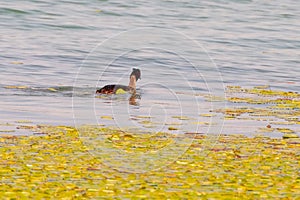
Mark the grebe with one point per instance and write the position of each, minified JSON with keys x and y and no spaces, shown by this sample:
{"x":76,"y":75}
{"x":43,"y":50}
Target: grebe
{"x":113,"y":89}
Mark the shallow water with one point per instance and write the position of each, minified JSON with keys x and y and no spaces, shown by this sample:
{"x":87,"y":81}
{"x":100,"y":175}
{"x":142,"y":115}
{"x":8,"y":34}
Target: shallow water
{"x":182,"y":48}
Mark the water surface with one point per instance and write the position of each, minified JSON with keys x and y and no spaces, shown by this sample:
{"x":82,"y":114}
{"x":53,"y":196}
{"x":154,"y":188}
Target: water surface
{"x":65,"y":44}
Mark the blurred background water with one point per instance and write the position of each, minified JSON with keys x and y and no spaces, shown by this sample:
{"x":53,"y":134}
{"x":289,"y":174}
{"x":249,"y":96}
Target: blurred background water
{"x":52,"y":46}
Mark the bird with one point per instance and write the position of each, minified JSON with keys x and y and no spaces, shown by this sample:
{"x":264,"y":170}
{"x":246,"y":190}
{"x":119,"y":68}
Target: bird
{"x":121,"y":89}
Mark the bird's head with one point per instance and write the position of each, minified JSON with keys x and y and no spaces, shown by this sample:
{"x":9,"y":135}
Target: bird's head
{"x":136,"y":72}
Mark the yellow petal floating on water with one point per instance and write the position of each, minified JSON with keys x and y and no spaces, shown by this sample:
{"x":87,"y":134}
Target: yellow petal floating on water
{"x":207,"y":115}
{"x":173,"y":123}
{"x":24,"y":121}
{"x":212,"y":98}
{"x":172,"y":128}
{"x":120,"y":91}
{"x":181,"y":117}
{"x":52,"y":89}
{"x":143,"y":117}
{"x":16,"y":87}
{"x":115,"y":137}
{"x":262,"y":87}
{"x":145,"y":122}
{"x":181,"y":162}
{"x":7,"y":131}
{"x":17,"y":62}
{"x":203,"y":123}
{"x":107,"y":117}
{"x":290,"y":135}
{"x":265,"y":130}
{"x":285,"y":130}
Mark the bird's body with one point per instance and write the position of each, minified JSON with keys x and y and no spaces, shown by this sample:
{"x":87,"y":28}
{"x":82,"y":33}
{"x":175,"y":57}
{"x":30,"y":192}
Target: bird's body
{"x":115,"y":89}
{"x":119,"y":89}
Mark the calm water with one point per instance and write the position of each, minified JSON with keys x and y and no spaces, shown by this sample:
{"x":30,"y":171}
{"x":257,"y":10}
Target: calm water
{"x":184,"y":49}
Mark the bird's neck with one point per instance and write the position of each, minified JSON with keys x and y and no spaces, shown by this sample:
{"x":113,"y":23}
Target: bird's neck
{"x":132,"y":82}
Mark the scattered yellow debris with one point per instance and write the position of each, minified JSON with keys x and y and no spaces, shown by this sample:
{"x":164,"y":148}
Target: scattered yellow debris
{"x":181,"y":117}
{"x":7,"y":131}
{"x":16,"y":87}
{"x":285,"y":130}
{"x":290,"y":135}
{"x":24,"y":121}
{"x":107,"y":117}
{"x":172,"y":128}
{"x":92,"y":162}
{"x":52,"y":89}
{"x":207,"y":115}
{"x":59,"y":165}
{"x":17,"y":62}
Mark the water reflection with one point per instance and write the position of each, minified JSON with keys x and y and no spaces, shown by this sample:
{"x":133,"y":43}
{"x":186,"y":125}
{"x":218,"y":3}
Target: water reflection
{"x":133,"y":99}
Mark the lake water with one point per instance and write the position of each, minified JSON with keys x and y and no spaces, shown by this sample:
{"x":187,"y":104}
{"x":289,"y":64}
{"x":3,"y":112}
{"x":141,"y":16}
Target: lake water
{"x":59,"y":52}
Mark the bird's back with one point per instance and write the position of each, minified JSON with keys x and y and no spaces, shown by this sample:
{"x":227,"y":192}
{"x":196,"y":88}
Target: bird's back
{"x":111,"y":89}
